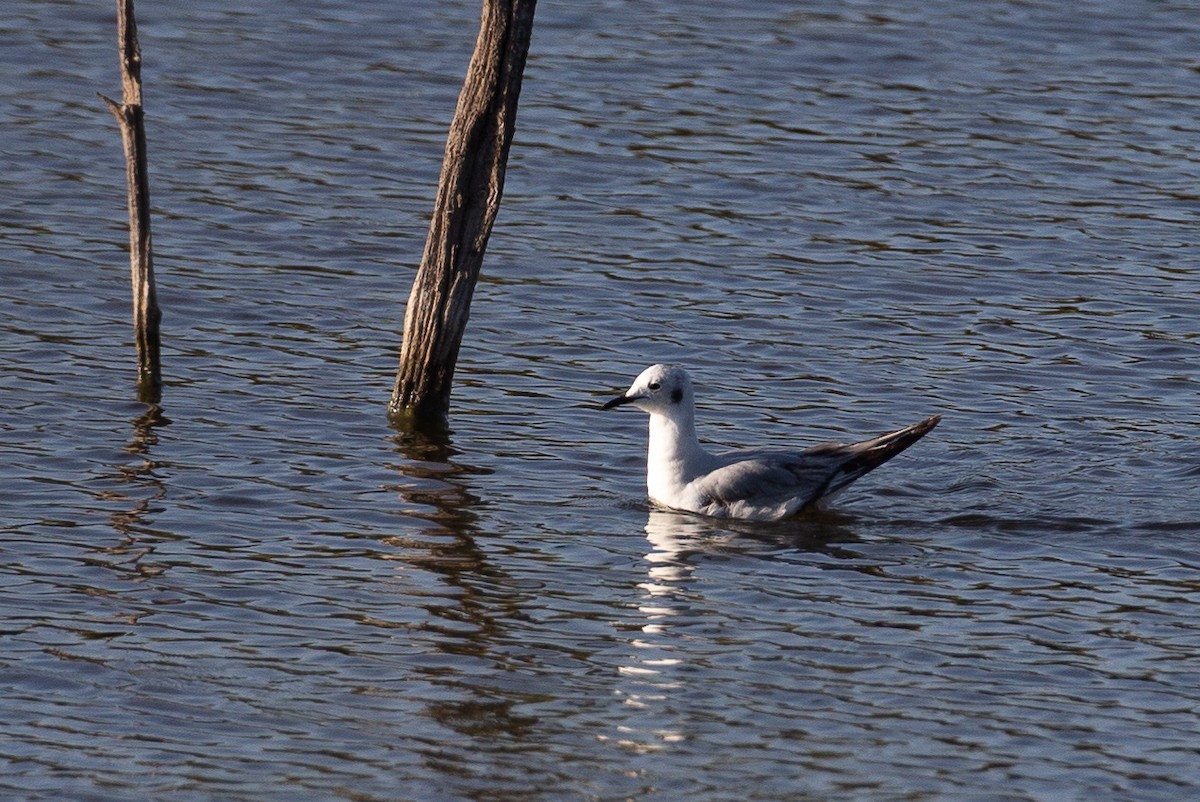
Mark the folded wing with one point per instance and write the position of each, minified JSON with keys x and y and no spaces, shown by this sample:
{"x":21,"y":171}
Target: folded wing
{"x":782,"y":483}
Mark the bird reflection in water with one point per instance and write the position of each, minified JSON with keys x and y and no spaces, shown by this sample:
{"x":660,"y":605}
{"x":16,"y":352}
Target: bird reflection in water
{"x":676,"y":632}
{"x":681,"y":540}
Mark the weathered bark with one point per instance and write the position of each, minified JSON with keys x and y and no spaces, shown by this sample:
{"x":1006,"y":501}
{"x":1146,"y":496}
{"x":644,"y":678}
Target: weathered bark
{"x":469,"y":191}
{"x":146,"y":314}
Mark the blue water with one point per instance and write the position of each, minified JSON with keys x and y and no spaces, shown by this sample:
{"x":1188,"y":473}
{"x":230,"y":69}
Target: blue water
{"x":843,"y":217}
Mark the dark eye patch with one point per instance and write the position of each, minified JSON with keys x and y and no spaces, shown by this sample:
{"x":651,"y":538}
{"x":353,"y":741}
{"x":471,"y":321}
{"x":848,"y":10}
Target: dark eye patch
{"x":677,"y":396}
{"x":654,"y":385}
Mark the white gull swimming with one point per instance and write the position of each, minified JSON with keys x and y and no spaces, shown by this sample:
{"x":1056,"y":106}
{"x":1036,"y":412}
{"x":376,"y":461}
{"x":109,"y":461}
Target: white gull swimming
{"x":763,"y":485}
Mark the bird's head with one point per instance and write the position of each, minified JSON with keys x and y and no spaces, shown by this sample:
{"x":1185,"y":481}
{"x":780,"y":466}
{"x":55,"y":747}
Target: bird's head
{"x":659,"y":389}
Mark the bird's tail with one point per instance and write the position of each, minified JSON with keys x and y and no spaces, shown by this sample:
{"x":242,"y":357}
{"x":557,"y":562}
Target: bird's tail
{"x":864,"y":457}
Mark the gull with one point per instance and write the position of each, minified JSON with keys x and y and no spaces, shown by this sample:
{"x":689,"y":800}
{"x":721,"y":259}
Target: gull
{"x":760,"y":485}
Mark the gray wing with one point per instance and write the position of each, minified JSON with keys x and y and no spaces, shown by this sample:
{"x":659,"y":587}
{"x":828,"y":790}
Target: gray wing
{"x":770,"y":479}
{"x":807,"y":476}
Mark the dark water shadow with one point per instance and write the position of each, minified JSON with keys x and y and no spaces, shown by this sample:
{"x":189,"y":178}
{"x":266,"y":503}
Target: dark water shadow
{"x":1046,"y":527}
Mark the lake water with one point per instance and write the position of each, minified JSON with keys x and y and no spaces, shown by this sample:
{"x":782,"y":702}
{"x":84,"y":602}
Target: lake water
{"x":844,"y":216}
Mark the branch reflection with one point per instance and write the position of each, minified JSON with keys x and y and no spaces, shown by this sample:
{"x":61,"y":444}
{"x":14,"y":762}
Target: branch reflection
{"x":468,"y":601}
{"x":145,"y":489}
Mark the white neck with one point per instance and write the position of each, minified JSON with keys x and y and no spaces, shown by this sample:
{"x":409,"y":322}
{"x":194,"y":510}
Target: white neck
{"x":675,"y":456}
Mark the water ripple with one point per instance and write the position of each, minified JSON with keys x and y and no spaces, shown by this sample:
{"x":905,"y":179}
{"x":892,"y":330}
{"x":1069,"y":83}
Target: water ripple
{"x":843,"y":217}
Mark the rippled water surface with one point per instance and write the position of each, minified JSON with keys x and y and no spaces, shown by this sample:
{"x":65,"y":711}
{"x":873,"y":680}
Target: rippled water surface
{"x":843,"y":216}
